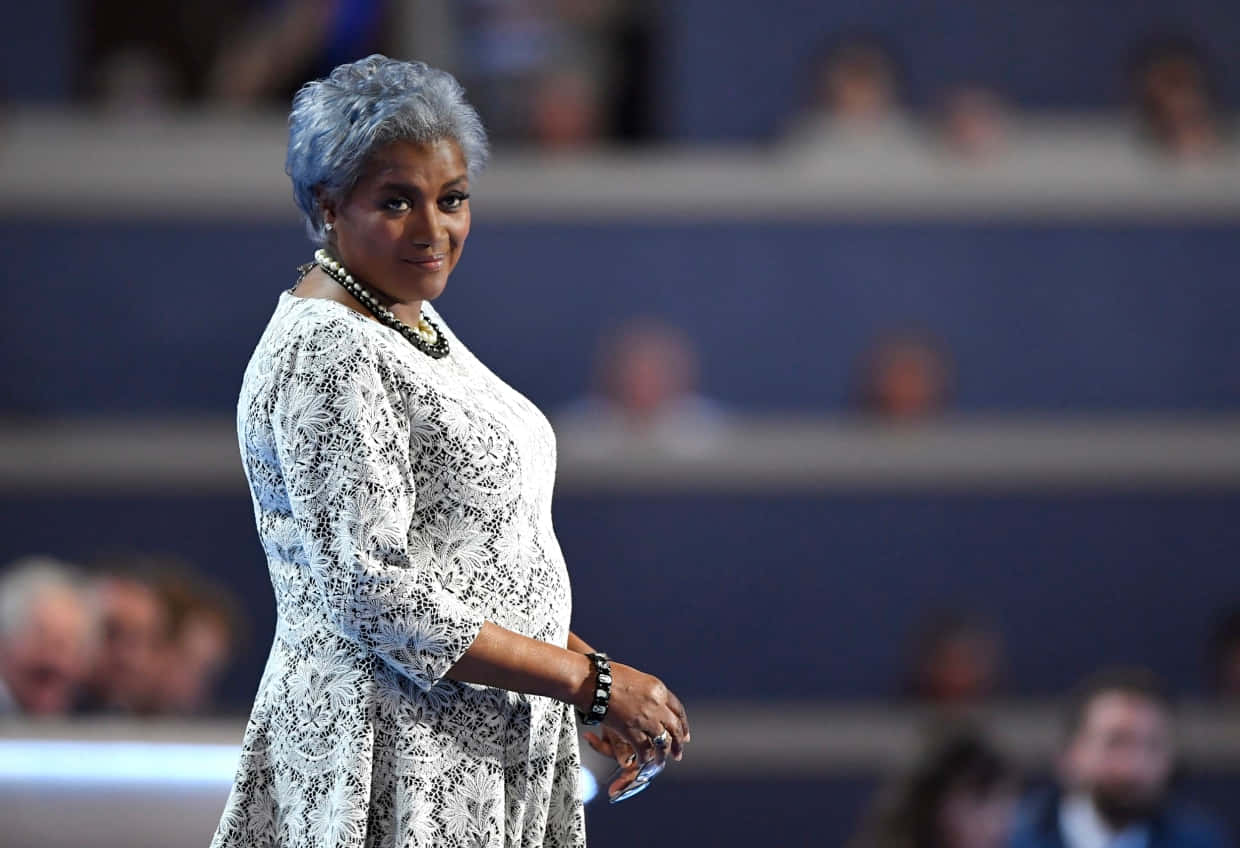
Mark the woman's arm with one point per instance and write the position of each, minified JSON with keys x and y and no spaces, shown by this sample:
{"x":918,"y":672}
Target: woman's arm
{"x":641,"y":707}
{"x":508,"y":660}
{"x":342,"y":447}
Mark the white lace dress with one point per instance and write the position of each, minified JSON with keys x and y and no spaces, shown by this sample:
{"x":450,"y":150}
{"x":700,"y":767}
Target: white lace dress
{"x":401,"y":501}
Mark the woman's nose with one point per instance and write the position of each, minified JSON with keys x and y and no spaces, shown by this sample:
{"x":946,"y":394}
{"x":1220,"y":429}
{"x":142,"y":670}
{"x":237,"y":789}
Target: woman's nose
{"x":427,"y":228}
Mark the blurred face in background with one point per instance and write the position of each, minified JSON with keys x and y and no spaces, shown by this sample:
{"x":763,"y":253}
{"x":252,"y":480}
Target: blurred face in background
{"x":1179,"y":107}
{"x":907,"y":379}
{"x":192,"y":662}
{"x":650,"y":367}
{"x":45,"y":659}
{"x":1121,"y":757}
{"x":565,"y":111}
{"x":959,"y":664}
{"x":131,"y":619}
{"x":970,"y":818}
{"x":857,"y":85}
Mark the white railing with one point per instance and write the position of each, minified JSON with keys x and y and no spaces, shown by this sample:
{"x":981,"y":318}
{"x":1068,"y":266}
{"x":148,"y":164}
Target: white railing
{"x":752,"y":455}
{"x":204,"y":165}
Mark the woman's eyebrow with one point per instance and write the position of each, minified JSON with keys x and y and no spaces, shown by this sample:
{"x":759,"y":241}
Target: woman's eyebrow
{"x":396,"y":185}
{"x":410,"y":188}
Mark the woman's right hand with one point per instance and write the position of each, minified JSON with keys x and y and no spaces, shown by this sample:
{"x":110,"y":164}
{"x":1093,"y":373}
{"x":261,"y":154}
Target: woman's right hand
{"x":641,"y":708}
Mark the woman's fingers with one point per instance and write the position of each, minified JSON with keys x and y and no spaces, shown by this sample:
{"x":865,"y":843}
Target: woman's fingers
{"x":603,"y":746}
{"x":676,"y":734}
{"x":624,"y":753}
{"x":679,"y":709}
{"x":611,"y":744}
{"x":642,"y":745}
{"x":665,"y":744}
{"x":643,"y":710}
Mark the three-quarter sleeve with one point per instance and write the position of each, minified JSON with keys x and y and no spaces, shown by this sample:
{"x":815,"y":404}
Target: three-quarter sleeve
{"x":343,"y":445}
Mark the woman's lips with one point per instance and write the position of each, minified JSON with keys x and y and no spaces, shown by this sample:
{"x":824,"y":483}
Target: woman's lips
{"x":431,"y":263}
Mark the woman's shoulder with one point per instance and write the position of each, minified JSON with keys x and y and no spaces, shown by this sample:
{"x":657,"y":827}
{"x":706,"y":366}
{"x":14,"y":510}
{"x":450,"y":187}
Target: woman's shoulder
{"x":316,"y":319}
{"x":313,"y":332}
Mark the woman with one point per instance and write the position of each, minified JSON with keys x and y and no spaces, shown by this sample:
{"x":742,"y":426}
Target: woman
{"x":962,"y":794}
{"x":421,"y":683}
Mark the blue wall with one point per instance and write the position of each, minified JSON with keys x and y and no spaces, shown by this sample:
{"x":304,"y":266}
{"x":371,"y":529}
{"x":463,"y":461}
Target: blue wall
{"x":38,"y":60}
{"x":734,"y":70}
{"x":158,"y":316}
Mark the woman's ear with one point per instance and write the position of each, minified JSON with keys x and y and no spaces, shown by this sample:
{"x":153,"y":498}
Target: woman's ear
{"x":326,"y":208}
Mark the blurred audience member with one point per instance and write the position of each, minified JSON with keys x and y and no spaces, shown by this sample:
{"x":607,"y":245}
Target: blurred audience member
{"x":566,"y":111}
{"x":143,"y":56}
{"x":288,"y":43}
{"x":135,"y":81}
{"x":554,"y":72}
{"x":647,"y":377}
{"x":1225,"y":656}
{"x":973,"y":123}
{"x":202,"y":624}
{"x":956,"y":661}
{"x":132,"y":622}
{"x":855,"y":101}
{"x":905,"y":376}
{"x":46,"y":635}
{"x":1176,"y":98}
{"x":961,"y":794}
{"x":1114,"y":774}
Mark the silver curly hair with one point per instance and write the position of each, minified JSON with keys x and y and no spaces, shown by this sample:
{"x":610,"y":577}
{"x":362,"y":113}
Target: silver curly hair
{"x":337,"y":122}
{"x":25,"y":581}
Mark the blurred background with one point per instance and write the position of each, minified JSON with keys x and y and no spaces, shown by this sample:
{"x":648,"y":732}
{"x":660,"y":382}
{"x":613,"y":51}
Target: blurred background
{"x":893,"y":349}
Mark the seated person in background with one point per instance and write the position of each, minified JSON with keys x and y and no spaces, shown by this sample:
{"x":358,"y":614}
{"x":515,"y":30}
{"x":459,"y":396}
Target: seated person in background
{"x":905,"y":376}
{"x":956,"y":662}
{"x":646,"y":395}
{"x":855,"y":100}
{"x":132,"y":621}
{"x":45,"y":637}
{"x":1114,"y":774}
{"x":566,"y":112}
{"x":201,"y":635}
{"x":961,"y":794}
{"x":972,"y":124}
{"x":1177,"y":102}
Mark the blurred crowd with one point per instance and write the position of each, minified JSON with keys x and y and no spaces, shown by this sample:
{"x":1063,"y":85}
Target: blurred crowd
{"x":149,"y":636}
{"x":137,"y":635}
{"x":1113,"y":783}
{"x":858,"y":101}
{"x":559,"y":73}
{"x":566,"y":74}
{"x":646,"y":390}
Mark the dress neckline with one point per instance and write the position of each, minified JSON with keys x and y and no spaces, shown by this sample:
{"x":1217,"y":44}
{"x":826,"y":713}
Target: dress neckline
{"x":287,"y":296}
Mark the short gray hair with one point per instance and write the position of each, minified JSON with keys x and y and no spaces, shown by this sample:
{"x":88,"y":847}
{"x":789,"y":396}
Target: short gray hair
{"x":337,"y":122}
{"x":26,"y":581}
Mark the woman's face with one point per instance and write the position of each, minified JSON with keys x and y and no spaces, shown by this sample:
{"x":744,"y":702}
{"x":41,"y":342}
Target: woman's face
{"x":402,"y":227}
{"x":969,"y":819}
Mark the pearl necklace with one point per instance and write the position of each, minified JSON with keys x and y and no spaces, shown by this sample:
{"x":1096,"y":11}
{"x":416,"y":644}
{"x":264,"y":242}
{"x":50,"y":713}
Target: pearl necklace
{"x":426,"y":337}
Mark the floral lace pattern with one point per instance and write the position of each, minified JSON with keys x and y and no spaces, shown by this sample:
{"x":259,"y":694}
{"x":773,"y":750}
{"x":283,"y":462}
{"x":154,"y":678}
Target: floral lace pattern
{"x":401,"y":502}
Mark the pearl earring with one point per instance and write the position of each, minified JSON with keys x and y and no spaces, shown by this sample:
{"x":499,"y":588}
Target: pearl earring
{"x":328,"y":226}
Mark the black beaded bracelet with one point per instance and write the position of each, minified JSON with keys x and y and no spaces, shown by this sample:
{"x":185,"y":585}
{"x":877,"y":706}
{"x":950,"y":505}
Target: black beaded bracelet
{"x":602,"y":690}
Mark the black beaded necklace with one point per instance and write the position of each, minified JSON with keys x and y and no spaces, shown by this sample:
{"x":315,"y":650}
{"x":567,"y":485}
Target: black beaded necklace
{"x":426,"y":337}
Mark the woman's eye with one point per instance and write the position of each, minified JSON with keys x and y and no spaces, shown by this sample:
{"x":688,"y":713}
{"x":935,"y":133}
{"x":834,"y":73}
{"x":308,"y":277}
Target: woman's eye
{"x":453,"y":201}
{"x":397,"y":204}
